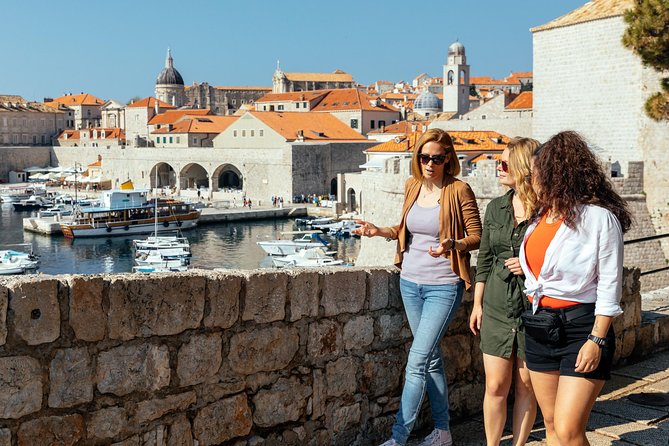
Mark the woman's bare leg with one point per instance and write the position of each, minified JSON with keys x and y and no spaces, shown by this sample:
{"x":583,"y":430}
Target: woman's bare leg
{"x":524,"y":406}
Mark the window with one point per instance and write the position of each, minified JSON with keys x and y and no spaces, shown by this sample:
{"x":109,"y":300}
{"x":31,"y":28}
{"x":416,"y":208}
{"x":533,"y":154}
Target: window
{"x":43,"y":139}
{"x":243,"y":133}
{"x":483,"y":116}
{"x":382,"y":124}
{"x":170,"y":140}
{"x":261,"y":133}
{"x":234,"y":101}
{"x":297,"y":105}
{"x":371,"y":124}
{"x":194,"y":140}
{"x":279,"y":107}
{"x":234,"y":133}
{"x":178,"y":140}
{"x":16,"y":139}
{"x":253,"y":133}
{"x":34,"y":139}
{"x":354,"y":123}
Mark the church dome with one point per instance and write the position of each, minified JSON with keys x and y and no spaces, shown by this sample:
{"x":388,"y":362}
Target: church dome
{"x":426,"y":101}
{"x":456,"y":49}
{"x":169,"y":75}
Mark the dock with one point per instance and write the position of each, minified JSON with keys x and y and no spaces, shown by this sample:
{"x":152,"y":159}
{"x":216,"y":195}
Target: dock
{"x":211,"y":215}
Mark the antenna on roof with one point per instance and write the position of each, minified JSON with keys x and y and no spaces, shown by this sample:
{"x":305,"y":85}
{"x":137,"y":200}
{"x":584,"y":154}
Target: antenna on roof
{"x":277,"y":64}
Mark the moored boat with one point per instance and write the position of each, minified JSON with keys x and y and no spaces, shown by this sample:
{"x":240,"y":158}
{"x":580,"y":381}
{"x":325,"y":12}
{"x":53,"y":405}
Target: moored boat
{"x":307,"y":258}
{"x":17,"y":262}
{"x":128,"y":212}
{"x":21,"y":191}
{"x":31,"y":204}
{"x":288,"y":247}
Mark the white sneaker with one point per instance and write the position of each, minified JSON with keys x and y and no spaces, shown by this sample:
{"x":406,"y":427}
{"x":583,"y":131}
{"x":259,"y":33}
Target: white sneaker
{"x":438,"y":437}
{"x":390,"y":442}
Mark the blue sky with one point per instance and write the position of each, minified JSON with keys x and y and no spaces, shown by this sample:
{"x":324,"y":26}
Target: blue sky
{"x":117,"y":50}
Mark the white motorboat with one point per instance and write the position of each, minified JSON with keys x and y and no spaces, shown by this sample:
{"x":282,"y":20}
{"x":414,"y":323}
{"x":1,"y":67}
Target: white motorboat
{"x":22,"y":191}
{"x":33,"y":203}
{"x":307,"y":258}
{"x":59,"y":210}
{"x":159,"y":269}
{"x":161,"y":242}
{"x":320,"y":223}
{"x":342,"y":228}
{"x":288,"y":247}
{"x":17,"y":262}
{"x":168,"y":257}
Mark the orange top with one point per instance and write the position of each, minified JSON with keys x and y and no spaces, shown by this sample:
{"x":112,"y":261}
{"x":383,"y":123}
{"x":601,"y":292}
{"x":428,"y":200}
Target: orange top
{"x":535,"y":252}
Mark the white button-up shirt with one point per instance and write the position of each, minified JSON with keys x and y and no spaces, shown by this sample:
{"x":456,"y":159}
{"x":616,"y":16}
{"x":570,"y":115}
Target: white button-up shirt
{"x":582,"y":264}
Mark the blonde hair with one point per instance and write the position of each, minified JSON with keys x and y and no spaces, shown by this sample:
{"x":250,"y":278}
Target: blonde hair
{"x":444,"y":140}
{"x":521,"y":151}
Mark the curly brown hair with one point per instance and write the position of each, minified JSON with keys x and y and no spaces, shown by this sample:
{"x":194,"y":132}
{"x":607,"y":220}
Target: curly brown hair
{"x":568,"y":174}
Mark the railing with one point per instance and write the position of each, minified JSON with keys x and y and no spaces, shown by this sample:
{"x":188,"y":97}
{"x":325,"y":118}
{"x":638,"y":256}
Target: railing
{"x":648,"y":239}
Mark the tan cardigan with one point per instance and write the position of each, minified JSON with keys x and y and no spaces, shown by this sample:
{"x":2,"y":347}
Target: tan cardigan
{"x":459,"y":219}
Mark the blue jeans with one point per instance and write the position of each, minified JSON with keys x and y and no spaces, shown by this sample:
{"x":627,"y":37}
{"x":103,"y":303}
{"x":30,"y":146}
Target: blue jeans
{"x":429,"y":309}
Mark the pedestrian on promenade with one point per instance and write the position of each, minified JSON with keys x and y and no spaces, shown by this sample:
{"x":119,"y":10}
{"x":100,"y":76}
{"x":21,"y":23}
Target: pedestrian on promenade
{"x":572,"y":258}
{"x":440,"y":224}
{"x":499,"y":300}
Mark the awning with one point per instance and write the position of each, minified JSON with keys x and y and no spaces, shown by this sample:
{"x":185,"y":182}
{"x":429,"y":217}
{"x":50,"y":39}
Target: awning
{"x":378,"y":162}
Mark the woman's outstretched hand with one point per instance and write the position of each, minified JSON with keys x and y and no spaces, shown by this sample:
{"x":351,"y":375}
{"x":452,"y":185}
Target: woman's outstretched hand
{"x":366,"y":229}
{"x":442,"y":248}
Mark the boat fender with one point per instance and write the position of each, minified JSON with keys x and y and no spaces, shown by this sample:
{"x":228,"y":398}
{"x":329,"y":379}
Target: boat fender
{"x":166,"y":223}
{"x":109,"y":229}
{"x":126,"y":228}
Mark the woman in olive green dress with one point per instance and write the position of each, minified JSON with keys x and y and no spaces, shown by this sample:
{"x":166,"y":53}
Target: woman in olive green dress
{"x":499,"y":298}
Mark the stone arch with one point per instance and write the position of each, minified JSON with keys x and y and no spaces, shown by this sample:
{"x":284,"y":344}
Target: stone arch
{"x":450,"y":78}
{"x":193,"y":176}
{"x":228,"y":176}
{"x":351,"y":202}
{"x":333,"y":186}
{"x":167,"y":176}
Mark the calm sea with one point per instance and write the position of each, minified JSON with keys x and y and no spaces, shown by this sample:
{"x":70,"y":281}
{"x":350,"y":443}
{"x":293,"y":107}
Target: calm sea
{"x":225,"y":245}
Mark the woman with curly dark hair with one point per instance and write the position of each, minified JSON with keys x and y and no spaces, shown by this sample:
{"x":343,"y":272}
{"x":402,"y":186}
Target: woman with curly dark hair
{"x":572,"y":258}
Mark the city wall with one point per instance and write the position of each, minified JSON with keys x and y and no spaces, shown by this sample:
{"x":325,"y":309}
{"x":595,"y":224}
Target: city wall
{"x":253,"y":358}
{"x":18,"y":158}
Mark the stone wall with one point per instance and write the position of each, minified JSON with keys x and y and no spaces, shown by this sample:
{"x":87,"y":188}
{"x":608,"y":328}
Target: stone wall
{"x":259,"y":358}
{"x":18,"y":158}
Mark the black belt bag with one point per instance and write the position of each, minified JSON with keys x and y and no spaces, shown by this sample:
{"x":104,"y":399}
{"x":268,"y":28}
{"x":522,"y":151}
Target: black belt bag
{"x":547,"y":325}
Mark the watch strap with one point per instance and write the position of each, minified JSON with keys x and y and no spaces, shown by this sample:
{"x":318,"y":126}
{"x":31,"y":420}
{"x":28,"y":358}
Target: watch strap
{"x":601,"y":342}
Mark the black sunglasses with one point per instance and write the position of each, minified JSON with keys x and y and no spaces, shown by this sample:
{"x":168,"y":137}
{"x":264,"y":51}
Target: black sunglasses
{"x":436,"y":159}
{"x":504,"y":164}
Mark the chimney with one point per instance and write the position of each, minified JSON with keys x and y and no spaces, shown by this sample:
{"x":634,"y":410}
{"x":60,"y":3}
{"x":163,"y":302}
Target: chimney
{"x":300,"y":135}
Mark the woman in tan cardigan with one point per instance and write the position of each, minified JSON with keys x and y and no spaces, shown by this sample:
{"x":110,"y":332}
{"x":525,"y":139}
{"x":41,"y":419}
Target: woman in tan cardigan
{"x":440,"y":224}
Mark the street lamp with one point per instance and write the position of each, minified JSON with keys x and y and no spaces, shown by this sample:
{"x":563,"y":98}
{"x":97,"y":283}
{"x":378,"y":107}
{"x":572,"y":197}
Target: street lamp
{"x":77,"y":168}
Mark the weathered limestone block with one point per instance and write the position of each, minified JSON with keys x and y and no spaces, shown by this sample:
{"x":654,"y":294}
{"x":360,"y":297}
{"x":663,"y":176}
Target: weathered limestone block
{"x":378,"y":288}
{"x":152,"y":306}
{"x":123,"y":370}
{"x":343,"y":292}
{"x":382,"y":372}
{"x":325,"y":340}
{"x":20,"y":386}
{"x":263,"y":350}
{"x":457,"y":354}
{"x":87,"y":317}
{"x":4,"y":298}
{"x":341,"y":376}
{"x":36,"y":315}
{"x":342,"y":418}
{"x":135,"y":440}
{"x":199,"y":359}
{"x":265,"y":299}
{"x":222,"y":293}
{"x":208,"y":393}
{"x":5,"y":437}
{"x":319,"y":394}
{"x":358,"y":332}
{"x":303,"y":295}
{"x":179,"y":432}
{"x":156,"y":408}
{"x":393,"y":327}
{"x":223,"y":420}
{"x":106,"y":423}
{"x":284,"y":401}
{"x":63,"y":431}
{"x":71,"y":378}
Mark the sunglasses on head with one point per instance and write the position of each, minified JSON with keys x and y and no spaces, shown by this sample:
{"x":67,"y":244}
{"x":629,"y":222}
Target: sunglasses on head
{"x":504,"y":164}
{"x":436,"y":159}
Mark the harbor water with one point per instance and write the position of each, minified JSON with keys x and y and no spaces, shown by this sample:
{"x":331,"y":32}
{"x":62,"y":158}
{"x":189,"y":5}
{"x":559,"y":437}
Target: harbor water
{"x":224,"y":245}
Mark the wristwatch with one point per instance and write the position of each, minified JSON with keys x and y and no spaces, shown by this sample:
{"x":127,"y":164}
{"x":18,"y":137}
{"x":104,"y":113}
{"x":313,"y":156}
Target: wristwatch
{"x":601,"y":342}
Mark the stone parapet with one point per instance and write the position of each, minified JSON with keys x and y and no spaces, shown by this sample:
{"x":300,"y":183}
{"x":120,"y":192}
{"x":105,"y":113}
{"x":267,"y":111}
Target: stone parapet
{"x":260,"y":357}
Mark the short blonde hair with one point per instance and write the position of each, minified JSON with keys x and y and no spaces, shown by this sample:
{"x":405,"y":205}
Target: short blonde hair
{"x":521,"y":151}
{"x":444,"y":140}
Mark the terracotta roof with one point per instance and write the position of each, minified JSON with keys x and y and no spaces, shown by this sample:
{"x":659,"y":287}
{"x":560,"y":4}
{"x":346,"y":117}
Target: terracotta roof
{"x":522,"y":74}
{"x":402,"y":127}
{"x":22,"y":106}
{"x":150,"y":102}
{"x":350,"y":99}
{"x":384,"y":82}
{"x":486,"y":156}
{"x":487,"y":80}
{"x":404,"y":143}
{"x":314,"y":126}
{"x":110,"y":133}
{"x":199,"y":124}
{"x":12,"y":98}
{"x":293,"y":96}
{"x":337,"y":76}
{"x":78,"y":99}
{"x":172,"y":116}
{"x":464,"y":141}
{"x":522,"y":101}
{"x":593,"y":10}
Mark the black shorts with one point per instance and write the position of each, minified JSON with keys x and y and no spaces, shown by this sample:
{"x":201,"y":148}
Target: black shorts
{"x":542,"y":357}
